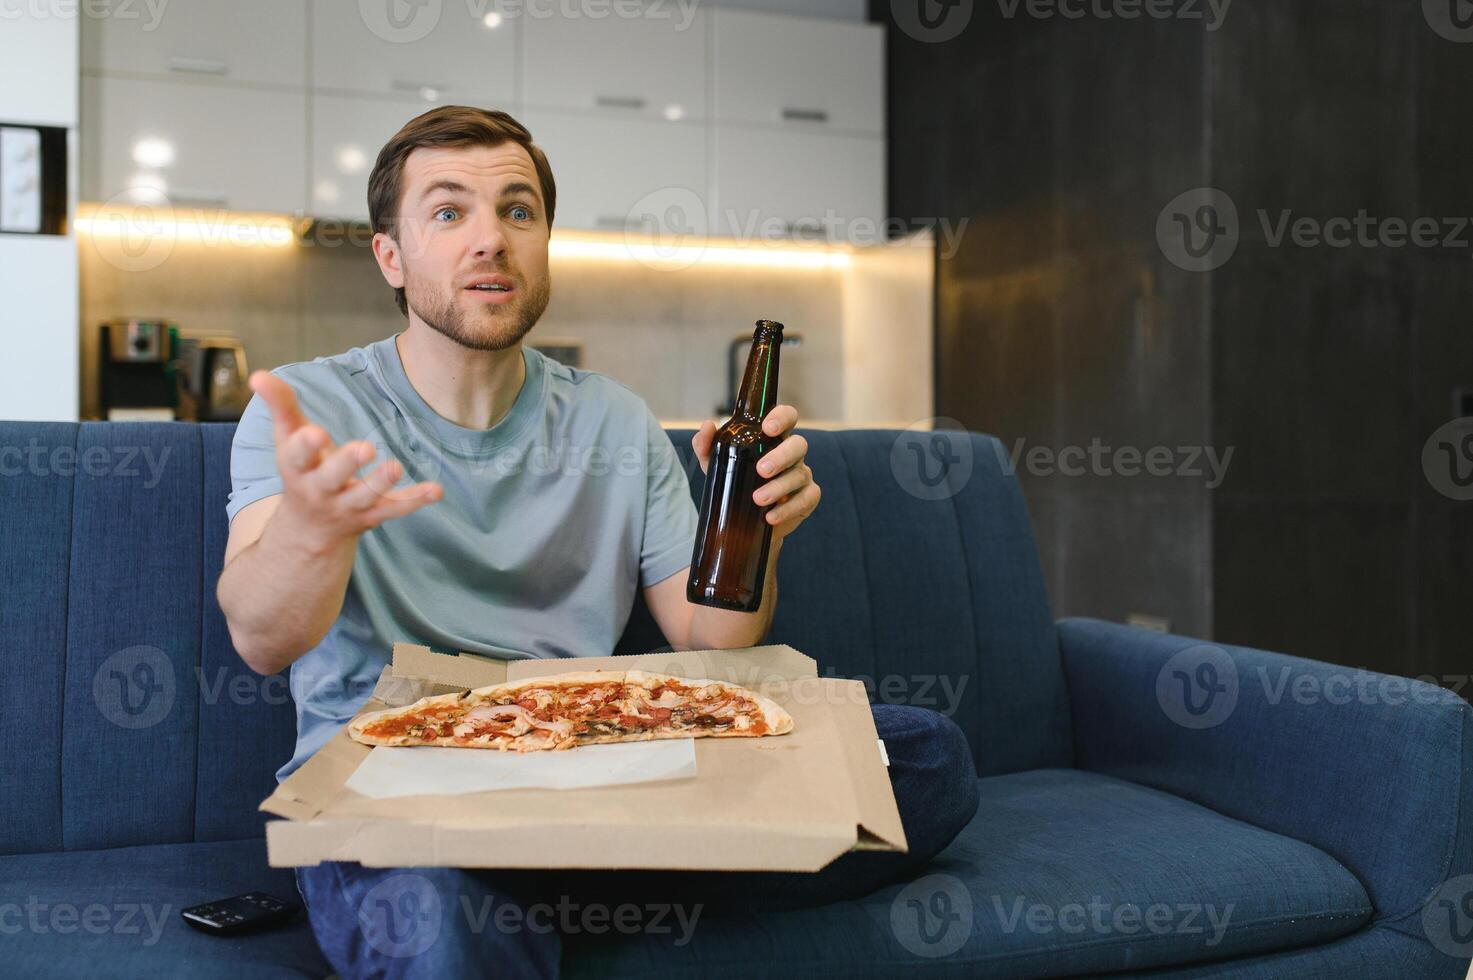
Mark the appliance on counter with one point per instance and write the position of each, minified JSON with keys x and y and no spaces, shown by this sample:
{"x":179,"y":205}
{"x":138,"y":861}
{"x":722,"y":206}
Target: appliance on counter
{"x":148,"y":369}
{"x":564,"y":351}
{"x":213,"y":375}
{"x":136,"y":372}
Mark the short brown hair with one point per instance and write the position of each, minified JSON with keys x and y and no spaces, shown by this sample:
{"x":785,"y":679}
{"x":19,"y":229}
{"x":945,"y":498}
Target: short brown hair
{"x":448,"y":125}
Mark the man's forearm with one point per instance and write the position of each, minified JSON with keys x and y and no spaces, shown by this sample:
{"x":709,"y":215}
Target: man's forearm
{"x":281,"y":595}
{"x":724,"y":629}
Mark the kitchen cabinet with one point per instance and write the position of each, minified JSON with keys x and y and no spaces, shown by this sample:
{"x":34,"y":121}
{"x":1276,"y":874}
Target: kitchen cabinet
{"x":440,"y":51}
{"x":607,"y":169}
{"x":653,"y":66}
{"x":798,"y":72}
{"x":816,"y":185}
{"x":259,"y":41}
{"x":206,"y":145}
{"x":347,"y":134}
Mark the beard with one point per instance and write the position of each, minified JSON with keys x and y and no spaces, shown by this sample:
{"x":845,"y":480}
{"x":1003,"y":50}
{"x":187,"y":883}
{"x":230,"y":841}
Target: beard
{"x":489,"y":327}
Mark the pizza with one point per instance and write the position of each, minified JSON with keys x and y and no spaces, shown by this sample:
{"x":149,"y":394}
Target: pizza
{"x":564,"y":711}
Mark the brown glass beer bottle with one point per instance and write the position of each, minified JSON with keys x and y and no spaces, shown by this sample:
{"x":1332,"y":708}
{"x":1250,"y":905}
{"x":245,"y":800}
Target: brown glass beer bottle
{"x":733,"y":537}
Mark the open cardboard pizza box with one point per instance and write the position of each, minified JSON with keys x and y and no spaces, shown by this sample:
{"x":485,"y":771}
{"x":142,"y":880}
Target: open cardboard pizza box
{"x":790,"y":802}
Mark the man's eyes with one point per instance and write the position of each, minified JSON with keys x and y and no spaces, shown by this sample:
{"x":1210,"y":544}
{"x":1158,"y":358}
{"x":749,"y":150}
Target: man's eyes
{"x":517,"y":212}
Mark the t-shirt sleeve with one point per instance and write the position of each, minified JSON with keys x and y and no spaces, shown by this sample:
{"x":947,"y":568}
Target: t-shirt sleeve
{"x":670,"y":513}
{"x":253,"y":473}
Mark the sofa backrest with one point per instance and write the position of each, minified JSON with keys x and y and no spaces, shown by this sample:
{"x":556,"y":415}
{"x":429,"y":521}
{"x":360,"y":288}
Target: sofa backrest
{"x":129,"y":719}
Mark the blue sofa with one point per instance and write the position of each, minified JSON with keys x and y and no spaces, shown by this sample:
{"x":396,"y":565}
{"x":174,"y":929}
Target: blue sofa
{"x":1148,"y":805}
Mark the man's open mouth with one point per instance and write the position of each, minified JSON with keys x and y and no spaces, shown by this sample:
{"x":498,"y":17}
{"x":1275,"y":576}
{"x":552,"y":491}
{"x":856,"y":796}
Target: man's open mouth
{"x":491,"y":288}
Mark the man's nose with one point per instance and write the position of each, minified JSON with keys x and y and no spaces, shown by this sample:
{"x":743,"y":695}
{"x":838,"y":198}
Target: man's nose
{"x":490,"y":236}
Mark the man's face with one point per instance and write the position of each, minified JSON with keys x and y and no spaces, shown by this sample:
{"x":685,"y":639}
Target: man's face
{"x":471,"y":248}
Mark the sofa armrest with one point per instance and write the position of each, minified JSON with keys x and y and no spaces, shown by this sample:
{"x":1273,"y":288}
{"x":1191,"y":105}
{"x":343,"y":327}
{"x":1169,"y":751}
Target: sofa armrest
{"x":1376,"y":771}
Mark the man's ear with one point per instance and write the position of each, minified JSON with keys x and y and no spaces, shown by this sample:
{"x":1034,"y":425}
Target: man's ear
{"x":386,"y":252}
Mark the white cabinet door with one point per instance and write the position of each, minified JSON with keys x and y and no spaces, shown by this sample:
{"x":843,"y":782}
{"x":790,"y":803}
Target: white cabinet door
{"x":618,"y":173}
{"x":797,"y":71}
{"x":443,"y":52}
{"x":255,"y":41}
{"x":809,"y":185}
{"x":653,"y":65}
{"x":347,"y":134}
{"x":38,"y":69}
{"x":204,"y":145}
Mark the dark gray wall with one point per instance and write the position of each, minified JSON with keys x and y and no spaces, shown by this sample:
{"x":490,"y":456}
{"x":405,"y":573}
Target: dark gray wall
{"x":1060,"y":320}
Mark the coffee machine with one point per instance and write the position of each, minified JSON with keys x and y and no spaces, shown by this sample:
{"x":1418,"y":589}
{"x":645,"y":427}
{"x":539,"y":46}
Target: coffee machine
{"x":213,"y":374}
{"x":136,"y":371}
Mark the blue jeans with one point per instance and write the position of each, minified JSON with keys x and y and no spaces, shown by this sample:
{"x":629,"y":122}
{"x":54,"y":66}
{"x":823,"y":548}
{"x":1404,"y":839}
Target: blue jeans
{"x":446,"y":922}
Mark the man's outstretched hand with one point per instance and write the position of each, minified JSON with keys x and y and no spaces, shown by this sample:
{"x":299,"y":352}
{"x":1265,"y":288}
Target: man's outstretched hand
{"x":323,"y":499}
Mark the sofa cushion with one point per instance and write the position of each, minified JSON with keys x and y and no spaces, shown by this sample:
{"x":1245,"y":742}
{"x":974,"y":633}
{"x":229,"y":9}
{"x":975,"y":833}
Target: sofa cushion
{"x":115,"y":913}
{"x":1060,"y":873}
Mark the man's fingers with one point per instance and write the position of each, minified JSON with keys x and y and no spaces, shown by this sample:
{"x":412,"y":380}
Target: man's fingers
{"x":780,"y":420}
{"x":789,"y":481}
{"x":286,"y":416}
{"x":403,"y":502}
{"x":785,"y":455}
{"x":338,"y":467}
{"x":374,"y":486}
{"x":303,"y":449}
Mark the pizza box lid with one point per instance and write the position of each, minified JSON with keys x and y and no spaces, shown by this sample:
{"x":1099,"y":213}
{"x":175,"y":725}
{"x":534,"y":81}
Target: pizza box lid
{"x":792,"y":802}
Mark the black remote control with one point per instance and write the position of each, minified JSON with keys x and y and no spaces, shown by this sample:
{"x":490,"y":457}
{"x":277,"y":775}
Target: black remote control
{"x":243,"y":913}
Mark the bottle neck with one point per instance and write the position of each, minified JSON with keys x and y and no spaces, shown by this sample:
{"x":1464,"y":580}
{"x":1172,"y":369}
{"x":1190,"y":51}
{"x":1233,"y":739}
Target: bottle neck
{"x":758,"y":394}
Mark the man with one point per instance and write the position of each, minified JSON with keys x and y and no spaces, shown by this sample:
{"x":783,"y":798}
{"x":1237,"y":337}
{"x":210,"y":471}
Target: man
{"x":502,"y":518}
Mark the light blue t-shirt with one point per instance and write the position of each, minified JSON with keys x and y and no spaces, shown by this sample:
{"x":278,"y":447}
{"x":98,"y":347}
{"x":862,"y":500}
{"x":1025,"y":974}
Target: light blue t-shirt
{"x":551,"y":519}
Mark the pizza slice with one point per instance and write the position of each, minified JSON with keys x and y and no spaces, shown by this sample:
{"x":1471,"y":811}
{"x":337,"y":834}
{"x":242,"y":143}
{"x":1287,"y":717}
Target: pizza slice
{"x":564,"y":711}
